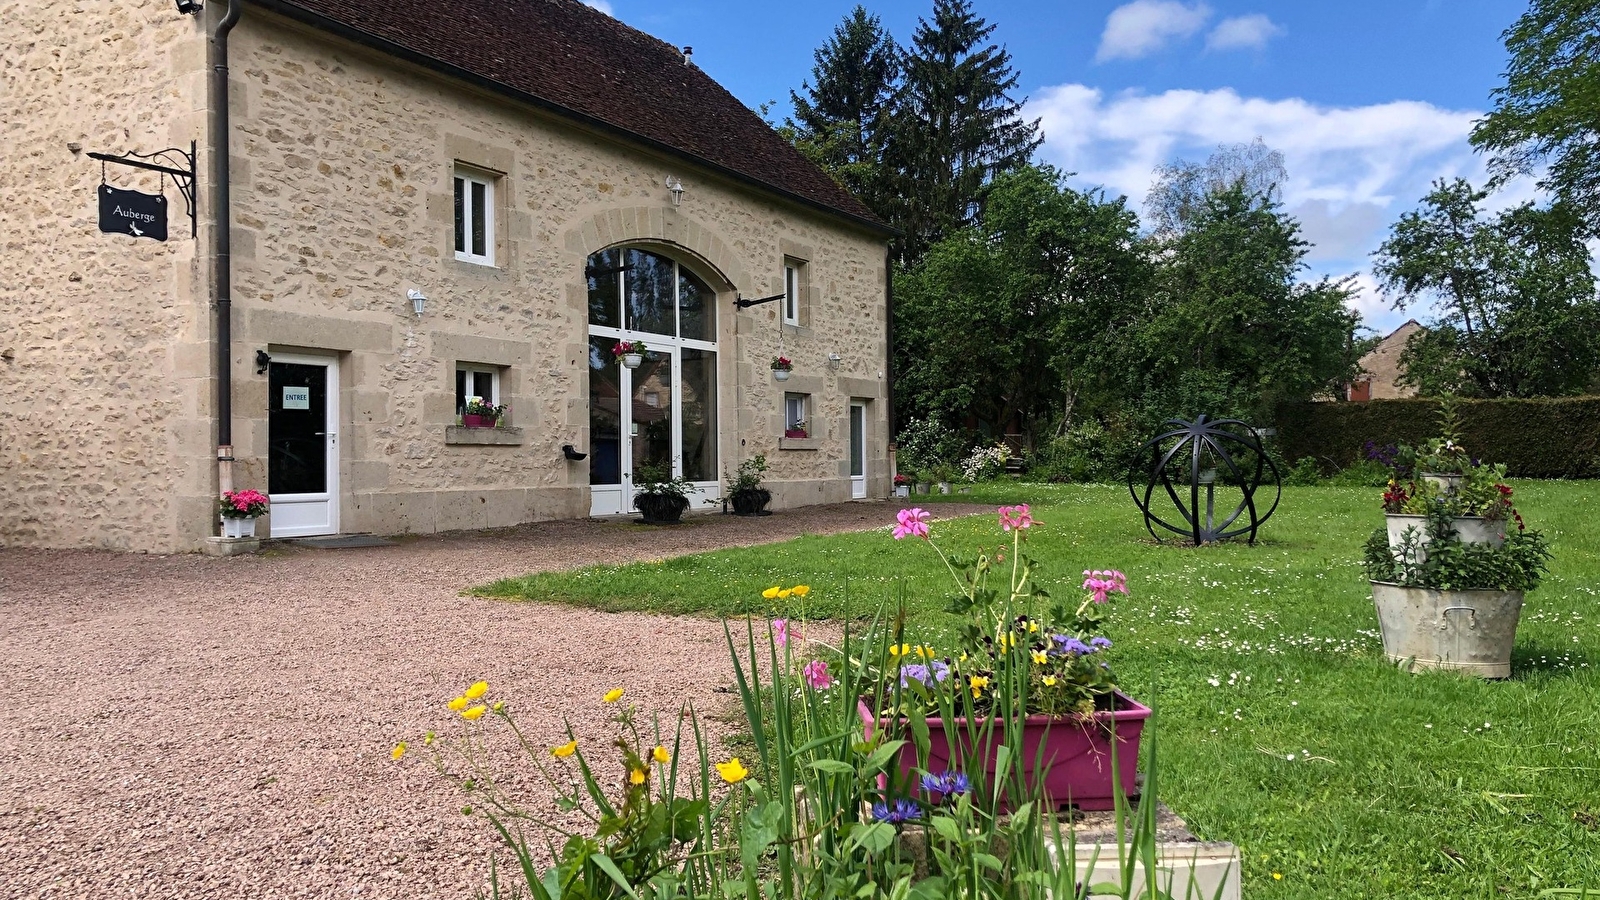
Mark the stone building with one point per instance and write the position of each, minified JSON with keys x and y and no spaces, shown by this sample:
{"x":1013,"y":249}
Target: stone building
{"x":1380,"y":368}
{"x":538,"y":179}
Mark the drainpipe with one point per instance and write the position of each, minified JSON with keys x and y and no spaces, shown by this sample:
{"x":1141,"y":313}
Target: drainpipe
{"x":222,"y":244}
{"x":888,"y":345}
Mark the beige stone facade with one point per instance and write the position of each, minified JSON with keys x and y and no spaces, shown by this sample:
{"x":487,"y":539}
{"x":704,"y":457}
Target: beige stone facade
{"x":342,"y":164}
{"x":1381,"y":370}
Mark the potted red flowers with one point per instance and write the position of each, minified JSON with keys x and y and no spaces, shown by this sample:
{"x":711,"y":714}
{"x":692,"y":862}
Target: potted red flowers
{"x":240,"y":510}
{"x":630,"y":352}
{"x":781,"y":367}
{"x":479,"y":413}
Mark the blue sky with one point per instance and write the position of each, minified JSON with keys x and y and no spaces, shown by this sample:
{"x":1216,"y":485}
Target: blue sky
{"x":1369,"y":101}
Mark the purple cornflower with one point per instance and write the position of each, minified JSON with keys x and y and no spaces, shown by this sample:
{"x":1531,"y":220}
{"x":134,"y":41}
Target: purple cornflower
{"x":949,"y":784}
{"x":894,"y":814}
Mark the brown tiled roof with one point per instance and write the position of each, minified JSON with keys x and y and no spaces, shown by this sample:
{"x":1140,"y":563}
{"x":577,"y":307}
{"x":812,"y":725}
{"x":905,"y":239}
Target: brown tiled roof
{"x":582,"y":63}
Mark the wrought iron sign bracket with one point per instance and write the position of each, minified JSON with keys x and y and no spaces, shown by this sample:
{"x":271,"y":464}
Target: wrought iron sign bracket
{"x":741,"y":303}
{"x":175,"y":156}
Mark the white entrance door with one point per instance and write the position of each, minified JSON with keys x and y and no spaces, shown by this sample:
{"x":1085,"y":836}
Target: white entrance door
{"x":303,"y":445}
{"x":858,"y":450}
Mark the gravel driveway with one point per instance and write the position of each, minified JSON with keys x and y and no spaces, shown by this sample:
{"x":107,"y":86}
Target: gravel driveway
{"x":179,"y":726}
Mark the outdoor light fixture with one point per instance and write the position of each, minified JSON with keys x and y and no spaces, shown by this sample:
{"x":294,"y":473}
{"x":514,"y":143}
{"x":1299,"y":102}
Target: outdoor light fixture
{"x":263,"y":361}
{"x":833,"y":361}
{"x":418,"y":301}
{"x":676,"y":187}
{"x":189,"y":7}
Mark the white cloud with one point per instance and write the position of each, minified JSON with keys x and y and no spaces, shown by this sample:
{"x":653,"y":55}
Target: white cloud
{"x":1144,"y":26}
{"x":1352,"y":170}
{"x":1250,"y":32}
{"x":601,"y":5}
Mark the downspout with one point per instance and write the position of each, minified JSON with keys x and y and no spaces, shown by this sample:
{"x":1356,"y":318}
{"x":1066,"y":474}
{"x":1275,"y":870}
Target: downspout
{"x":888,"y":352}
{"x":222,"y":243}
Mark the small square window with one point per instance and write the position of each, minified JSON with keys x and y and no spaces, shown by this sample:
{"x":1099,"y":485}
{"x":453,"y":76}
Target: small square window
{"x":474,"y":198}
{"x":794,"y":289}
{"x":796,"y":415}
{"x":478,"y":381}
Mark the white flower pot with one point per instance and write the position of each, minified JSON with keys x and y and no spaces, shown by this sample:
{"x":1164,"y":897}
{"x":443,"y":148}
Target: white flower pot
{"x":1462,"y":631}
{"x":780,"y":374}
{"x":238,"y":528}
{"x":633,"y":360}
{"x":902,"y":491}
{"x":1471,"y":530}
{"x":944,"y":487}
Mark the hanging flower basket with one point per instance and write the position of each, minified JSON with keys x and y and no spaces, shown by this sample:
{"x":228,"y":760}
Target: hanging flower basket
{"x":630,"y":352}
{"x":781,"y":366}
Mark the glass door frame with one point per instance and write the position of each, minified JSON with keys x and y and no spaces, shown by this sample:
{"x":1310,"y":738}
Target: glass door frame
{"x":330,"y":496}
{"x":858,"y":448}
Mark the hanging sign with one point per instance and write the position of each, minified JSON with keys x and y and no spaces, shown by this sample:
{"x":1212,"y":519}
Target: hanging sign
{"x":132,"y":213}
{"x":297,"y":398}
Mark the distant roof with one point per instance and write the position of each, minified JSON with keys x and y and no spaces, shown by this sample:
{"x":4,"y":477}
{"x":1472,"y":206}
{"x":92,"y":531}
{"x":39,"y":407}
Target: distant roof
{"x":579,"y":62}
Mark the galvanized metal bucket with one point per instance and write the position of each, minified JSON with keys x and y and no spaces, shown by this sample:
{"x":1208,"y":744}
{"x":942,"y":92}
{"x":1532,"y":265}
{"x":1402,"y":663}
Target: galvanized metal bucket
{"x":1461,"y":631}
{"x":1470,"y":529}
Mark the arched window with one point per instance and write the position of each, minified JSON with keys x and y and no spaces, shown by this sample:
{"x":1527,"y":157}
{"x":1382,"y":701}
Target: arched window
{"x":660,"y":418}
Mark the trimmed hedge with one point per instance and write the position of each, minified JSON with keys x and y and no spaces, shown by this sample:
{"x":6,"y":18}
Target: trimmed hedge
{"x":1556,"y":438}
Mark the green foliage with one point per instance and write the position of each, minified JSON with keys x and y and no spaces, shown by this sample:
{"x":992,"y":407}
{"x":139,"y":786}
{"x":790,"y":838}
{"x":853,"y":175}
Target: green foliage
{"x":1521,"y":313}
{"x":1544,"y":114}
{"x":1451,"y":565}
{"x":926,"y":442}
{"x":1303,"y":473}
{"x":1555,"y":438}
{"x":748,"y":476}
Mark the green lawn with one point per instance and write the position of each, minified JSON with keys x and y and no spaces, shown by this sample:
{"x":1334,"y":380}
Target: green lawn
{"x":1282,"y":728}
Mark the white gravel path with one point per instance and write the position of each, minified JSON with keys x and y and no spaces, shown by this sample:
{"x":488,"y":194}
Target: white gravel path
{"x":184,"y":727}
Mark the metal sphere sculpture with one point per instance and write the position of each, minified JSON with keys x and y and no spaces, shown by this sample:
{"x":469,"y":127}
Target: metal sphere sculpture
{"x":1199,"y":453}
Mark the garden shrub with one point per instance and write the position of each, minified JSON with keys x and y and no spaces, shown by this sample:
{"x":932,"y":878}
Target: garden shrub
{"x":927,"y":443}
{"x":1550,"y":438}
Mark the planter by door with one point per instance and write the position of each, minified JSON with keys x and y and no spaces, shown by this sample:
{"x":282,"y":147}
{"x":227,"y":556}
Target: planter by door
{"x":661,"y":509}
{"x":751,"y":501}
{"x":472,"y":421}
{"x":238,"y":528}
{"x":1461,"y":631}
{"x":633,"y":360}
{"x":1076,"y":756}
{"x":902,"y":491}
{"x":781,"y":374}
{"x":1471,"y":530}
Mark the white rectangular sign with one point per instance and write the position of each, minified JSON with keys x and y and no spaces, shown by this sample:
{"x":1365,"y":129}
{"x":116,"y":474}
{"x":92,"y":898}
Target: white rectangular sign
{"x":297,"y":398}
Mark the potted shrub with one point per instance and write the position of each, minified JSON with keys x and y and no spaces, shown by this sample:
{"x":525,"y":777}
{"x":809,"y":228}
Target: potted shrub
{"x":796,"y":430}
{"x":781,"y":367}
{"x":749,"y":498}
{"x":1456,"y":605}
{"x":240,"y":510}
{"x":1023,"y":662}
{"x":630,"y":352}
{"x":923,"y":480}
{"x":1478,"y":509}
{"x":481,"y":414}
{"x":902,"y":485}
{"x":943,"y":474}
{"x":661,"y":497}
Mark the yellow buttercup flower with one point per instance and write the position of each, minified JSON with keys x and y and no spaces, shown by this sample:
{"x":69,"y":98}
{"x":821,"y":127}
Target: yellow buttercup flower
{"x":978,"y":682}
{"x":565,"y":750}
{"x":1040,"y":657}
{"x":800,"y":590}
{"x":784,"y":594}
{"x":398,"y":751}
{"x":612,"y":695}
{"x":1049,"y":681}
{"x":771,"y":593}
{"x":636,"y":777}
{"x":733,"y":771}
{"x":1033,"y":627}
{"x":660,"y":754}
{"x":925,"y":652}
{"x":459,"y":703}
{"x":474,"y":713}
{"x":477,"y":690}
{"x":899,"y":649}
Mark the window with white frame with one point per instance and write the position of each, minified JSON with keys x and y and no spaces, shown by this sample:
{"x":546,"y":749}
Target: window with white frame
{"x":796,"y":415}
{"x":474,"y":217}
{"x":482,"y":382}
{"x":793,"y":290}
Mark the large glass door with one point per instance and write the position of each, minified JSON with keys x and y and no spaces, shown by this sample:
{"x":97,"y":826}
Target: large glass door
{"x":858,"y":450}
{"x":658,"y":420}
{"x":303,"y":445}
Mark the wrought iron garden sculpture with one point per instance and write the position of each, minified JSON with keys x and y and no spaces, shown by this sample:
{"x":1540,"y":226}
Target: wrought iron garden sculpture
{"x":1188,"y":459}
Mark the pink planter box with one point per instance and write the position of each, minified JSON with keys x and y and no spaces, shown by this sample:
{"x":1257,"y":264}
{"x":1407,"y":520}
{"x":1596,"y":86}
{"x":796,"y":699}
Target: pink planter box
{"x":1077,"y":752}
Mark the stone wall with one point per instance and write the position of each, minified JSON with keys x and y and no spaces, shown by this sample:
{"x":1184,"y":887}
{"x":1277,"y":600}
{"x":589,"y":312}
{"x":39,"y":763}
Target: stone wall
{"x":343,"y":202}
{"x":104,"y":431}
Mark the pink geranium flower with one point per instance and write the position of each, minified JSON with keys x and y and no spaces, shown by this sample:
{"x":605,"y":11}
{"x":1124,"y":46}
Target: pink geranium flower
{"x":1016,"y":517}
{"x":913,"y":523}
{"x":1102,"y":582}
{"x":816,"y":675}
{"x":780,"y":632}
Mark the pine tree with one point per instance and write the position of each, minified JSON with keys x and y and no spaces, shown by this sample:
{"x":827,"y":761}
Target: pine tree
{"x":954,"y":127}
{"x":840,"y":115}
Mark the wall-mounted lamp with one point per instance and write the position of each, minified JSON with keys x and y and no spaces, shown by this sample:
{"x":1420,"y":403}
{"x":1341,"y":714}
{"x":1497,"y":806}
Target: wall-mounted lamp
{"x":676,"y":187}
{"x":571,"y":452}
{"x":833,"y":361}
{"x":263,"y":361}
{"x":189,"y":7}
{"x":418,"y":301}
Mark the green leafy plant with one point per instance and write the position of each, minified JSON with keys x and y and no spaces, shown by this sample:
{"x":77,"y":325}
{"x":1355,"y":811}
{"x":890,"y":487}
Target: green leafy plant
{"x":657,"y":479}
{"x":477,"y":406}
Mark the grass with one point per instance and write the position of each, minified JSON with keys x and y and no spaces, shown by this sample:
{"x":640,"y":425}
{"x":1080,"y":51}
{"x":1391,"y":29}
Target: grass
{"x":1283,"y":729}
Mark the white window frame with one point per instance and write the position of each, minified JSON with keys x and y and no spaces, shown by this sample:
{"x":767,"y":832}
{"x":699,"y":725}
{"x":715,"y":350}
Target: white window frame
{"x":480,"y":369}
{"x":791,"y":292}
{"x":791,"y":401}
{"x":461,"y":184}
